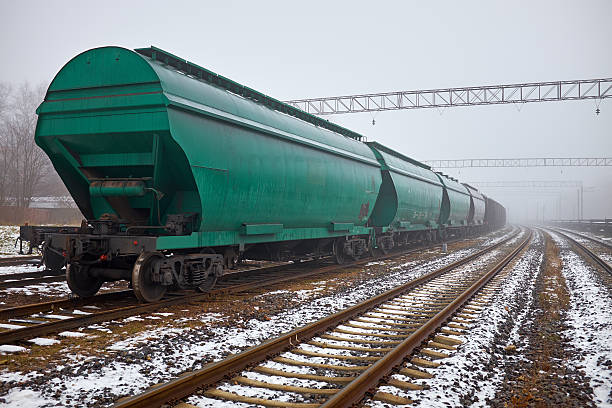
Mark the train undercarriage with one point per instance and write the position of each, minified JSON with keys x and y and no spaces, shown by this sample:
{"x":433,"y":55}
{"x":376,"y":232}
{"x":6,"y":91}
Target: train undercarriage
{"x":95,"y":255}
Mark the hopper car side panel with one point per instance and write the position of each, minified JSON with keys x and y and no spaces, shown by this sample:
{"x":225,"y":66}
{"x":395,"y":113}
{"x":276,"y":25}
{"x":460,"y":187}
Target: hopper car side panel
{"x":477,"y":206}
{"x":418,"y":193}
{"x":455,"y":209}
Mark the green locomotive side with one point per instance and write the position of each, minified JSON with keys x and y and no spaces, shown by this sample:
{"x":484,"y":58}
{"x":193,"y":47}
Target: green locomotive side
{"x":137,"y":140}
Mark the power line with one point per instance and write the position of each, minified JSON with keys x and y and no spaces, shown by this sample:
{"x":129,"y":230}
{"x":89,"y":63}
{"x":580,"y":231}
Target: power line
{"x":466,"y":96}
{"x":522,"y":162}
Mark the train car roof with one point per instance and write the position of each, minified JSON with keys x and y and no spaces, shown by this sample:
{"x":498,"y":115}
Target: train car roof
{"x":392,"y":152}
{"x":206,"y":75}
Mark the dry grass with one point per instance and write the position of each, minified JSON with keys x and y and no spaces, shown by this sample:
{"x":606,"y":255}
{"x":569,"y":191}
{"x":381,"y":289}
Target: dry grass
{"x":553,"y":299}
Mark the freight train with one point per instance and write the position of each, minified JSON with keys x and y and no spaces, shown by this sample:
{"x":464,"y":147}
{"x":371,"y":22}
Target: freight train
{"x":180,"y":172}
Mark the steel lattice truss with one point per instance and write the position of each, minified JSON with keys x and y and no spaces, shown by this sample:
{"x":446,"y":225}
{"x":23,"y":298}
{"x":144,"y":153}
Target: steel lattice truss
{"x":523,"y":162}
{"x":527,"y":184}
{"x":468,"y":96}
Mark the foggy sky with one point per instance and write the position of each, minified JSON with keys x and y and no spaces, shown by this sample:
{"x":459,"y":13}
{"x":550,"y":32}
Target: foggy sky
{"x":321,"y":48}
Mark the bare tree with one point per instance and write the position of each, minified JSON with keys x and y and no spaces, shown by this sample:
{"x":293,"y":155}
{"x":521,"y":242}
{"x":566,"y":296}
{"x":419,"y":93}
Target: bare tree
{"x":24,"y":163}
{"x":6,"y":146}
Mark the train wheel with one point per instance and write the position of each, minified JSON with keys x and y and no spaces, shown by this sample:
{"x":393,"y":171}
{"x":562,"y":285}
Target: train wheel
{"x":210,"y":281}
{"x":80,"y":281}
{"x":144,"y":288}
{"x":338,"y":249}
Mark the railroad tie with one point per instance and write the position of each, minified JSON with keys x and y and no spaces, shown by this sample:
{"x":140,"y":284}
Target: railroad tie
{"x":336,"y":356}
{"x":290,"y":361}
{"x":216,"y":393}
{"x":280,"y":387}
{"x":435,"y":344}
{"x":387,"y":322}
{"x":313,"y":377}
{"x":352,"y":348}
{"x":447,"y":340}
{"x":414,"y":373}
{"x":392,"y":329}
{"x":434,"y":354}
{"x":391,"y":336}
{"x":391,"y":399}
{"x":361,"y":341}
{"x":424,"y":363}
{"x":404,"y":385}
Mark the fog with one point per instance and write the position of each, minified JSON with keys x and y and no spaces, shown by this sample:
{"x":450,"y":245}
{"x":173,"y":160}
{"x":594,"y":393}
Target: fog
{"x":295,"y":50}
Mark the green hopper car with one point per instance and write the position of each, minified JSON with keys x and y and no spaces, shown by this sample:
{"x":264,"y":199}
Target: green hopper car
{"x":180,"y":172}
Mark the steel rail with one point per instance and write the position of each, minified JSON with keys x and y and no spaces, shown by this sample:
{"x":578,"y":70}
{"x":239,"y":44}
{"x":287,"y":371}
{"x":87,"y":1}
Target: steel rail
{"x":19,"y":260}
{"x":41,"y":329}
{"x":36,"y":274}
{"x":13,"y":335}
{"x":30,"y":309}
{"x":25,"y":310}
{"x":356,"y":390}
{"x":212,"y":373}
{"x":586,"y":250}
{"x":30,"y":281}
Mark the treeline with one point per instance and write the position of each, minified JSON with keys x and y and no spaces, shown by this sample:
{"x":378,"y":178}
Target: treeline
{"x":25,"y":170}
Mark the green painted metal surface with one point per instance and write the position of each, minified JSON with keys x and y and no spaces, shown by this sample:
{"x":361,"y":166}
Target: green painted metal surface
{"x":411,"y":194}
{"x":111,"y":112}
{"x":261,"y":229}
{"x":455,"y":211}
{"x":479,"y":205}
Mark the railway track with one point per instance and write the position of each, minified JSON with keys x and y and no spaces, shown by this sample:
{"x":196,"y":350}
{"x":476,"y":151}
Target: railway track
{"x":21,"y":279}
{"x":590,"y":254}
{"x":29,"y":321}
{"x":592,"y":239}
{"x":340,"y":358}
{"x":20,"y":260}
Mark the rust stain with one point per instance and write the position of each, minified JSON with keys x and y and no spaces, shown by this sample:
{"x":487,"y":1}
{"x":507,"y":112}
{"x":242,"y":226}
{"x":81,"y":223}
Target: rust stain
{"x":365,"y":208}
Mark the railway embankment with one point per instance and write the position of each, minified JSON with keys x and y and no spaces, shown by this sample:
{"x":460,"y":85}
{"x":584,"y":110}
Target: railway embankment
{"x":109,"y":360}
{"x":543,"y":373}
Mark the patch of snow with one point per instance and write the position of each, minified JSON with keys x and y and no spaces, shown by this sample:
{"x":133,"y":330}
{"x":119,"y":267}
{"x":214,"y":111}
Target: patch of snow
{"x":72,"y":334}
{"x":42,"y":341}
{"x":57,"y":317}
{"x":9,"y":348}
{"x":10,"y":326}
{"x":133,"y":319}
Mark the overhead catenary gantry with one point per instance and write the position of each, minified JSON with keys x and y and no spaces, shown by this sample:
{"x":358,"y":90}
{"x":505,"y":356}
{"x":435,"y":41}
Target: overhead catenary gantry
{"x":541,"y":185}
{"x":465,"y":96}
{"x":521,"y":162}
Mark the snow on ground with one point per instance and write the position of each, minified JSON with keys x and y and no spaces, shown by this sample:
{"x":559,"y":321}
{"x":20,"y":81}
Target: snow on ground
{"x":8,"y":235}
{"x":9,"y":348}
{"x":163,"y":353}
{"x":42,"y":341}
{"x":590,"y":321}
{"x":45,"y":289}
{"x":5,"y":270}
{"x":599,"y":250}
{"x":469,"y":371}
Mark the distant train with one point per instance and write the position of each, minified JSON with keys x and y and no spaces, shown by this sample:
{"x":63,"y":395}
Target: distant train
{"x":180,"y":171}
